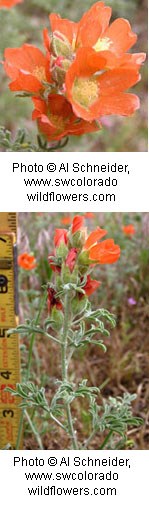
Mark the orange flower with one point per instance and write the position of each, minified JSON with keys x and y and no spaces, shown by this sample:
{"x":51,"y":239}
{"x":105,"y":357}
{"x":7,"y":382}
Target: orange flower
{"x":94,"y":91}
{"x":129,"y":230}
{"x":66,"y":220}
{"x":104,"y":252}
{"x":56,"y":119}
{"x":90,"y":286}
{"x":27,"y":261}
{"x":60,"y":236}
{"x":94,"y":237}
{"x":77,"y":223}
{"x":89,"y":215}
{"x":93,"y":30}
{"x":28,"y":68}
{"x":9,"y":3}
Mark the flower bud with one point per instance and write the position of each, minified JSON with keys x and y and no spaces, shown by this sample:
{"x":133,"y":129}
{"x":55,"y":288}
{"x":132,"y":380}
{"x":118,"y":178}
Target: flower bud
{"x":67,"y":276}
{"x":58,"y":317}
{"x":59,"y":69}
{"x":79,"y":305}
{"x":60,"y":237}
{"x":58,"y":74}
{"x":83,"y":259}
{"x":62,"y":251}
{"x":74,"y":275}
{"x":77,"y":239}
{"x":71,"y":259}
{"x":60,"y":46}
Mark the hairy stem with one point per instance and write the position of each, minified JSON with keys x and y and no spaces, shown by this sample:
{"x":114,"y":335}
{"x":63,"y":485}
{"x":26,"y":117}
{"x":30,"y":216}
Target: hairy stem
{"x":65,"y":367}
{"x":87,"y":442}
{"x":35,"y":432}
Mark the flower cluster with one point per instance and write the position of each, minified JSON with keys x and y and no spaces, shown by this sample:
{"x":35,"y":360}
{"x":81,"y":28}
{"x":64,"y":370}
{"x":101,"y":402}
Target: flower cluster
{"x":84,"y":73}
{"x":76,"y":253}
{"x":9,"y":3}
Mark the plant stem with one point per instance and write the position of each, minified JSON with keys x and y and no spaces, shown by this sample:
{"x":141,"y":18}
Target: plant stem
{"x":19,"y":436}
{"x":71,"y":428}
{"x":57,"y":421}
{"x":65,"y":367}
{"x":29,"y":366}
{"x":106,"y":440}
{"x":87,"y":442}
{"x":91,"y":437}
{"x":46,"y":334}
{"x":35,"y":432}
{"x":65,"y":337}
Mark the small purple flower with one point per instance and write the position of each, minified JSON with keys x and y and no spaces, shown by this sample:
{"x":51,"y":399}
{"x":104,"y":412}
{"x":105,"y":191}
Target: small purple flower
{"x":131,"y":301}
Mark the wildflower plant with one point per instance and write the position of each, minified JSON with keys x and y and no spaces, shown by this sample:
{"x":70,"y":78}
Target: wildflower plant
{"x":84,"y":72}
{"x":72,"y":324}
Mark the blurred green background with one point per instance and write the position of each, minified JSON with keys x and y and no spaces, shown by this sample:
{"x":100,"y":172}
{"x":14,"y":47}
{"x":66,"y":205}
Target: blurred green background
{"x":24,"y":23}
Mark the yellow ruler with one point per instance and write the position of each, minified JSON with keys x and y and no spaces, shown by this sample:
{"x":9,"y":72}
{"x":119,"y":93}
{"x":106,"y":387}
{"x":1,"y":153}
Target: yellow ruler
{"x":9,"y":345}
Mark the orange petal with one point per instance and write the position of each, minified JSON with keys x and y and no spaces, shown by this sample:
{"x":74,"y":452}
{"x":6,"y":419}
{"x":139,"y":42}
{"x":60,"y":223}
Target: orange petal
{"x":94,"y":237}
{"x":86,"y":63}
{"x":59,"y":105}
{"x":124,"y":104}
{"x":25,"y":58}
{"x":40,"y":107}
{"x":93,"y":24}
{"x":106,"y":252}
{"x":121,"y":35}
{"x":82,"y":127}
{"x":77,"y":223}
{"x":64,"y":26}
{"x":51,"y":132}
{"x":91,"y":285}
{"x":135,"y":59}
{"x":118,"y":80}
{"x":60,"y":237}
{"x":46,"y":39}
{"x":27,"y":83}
